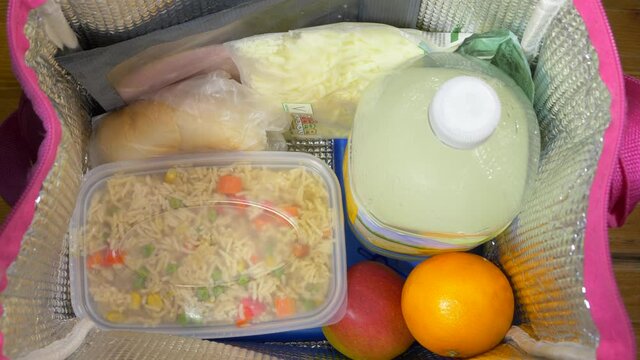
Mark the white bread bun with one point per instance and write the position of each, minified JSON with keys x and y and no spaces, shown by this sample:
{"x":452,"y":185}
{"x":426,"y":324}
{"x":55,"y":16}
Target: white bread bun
{"x":201,"y":114}
{"x":138,"y":131}
{"x":150,"y":128}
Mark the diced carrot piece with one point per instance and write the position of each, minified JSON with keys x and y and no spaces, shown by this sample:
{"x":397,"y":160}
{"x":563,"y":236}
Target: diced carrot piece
{"x":254,"y":259}
{"x":261,"y":222}
{"x":300,"y":250}
{"x":242,"y":322}
{"x":252,"y":308}
{"x":113,"y":257}
{"x":95,"y":259}
{"x":292,"y":210}
{"x":247,"y":313}
{"x":229,"y":184}
{"x":285,"y":306}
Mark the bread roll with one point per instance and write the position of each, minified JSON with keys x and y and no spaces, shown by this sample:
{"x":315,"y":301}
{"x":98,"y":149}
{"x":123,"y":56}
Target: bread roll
{"x":150,"y":128}
{"x":203,"y":114}
{"x":138,"y":131}
{"x":214,"y":131}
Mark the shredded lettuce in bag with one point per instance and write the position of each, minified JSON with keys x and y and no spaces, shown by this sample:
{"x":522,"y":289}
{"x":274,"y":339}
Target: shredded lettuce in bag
{"x":317,"y":74}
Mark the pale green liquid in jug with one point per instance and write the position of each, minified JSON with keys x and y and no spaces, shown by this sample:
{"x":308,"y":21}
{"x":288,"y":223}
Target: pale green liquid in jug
{"x":406,"y":178}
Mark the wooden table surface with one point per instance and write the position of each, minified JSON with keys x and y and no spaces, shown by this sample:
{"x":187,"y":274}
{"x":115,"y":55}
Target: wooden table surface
{"x":624,"y":16}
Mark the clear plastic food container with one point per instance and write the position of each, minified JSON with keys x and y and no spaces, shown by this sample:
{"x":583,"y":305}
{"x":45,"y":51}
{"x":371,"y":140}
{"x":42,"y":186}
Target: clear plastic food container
{"x":210,"y":245}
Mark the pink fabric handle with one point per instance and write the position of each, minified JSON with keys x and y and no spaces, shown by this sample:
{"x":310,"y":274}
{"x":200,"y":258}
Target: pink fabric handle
{"x":625,"y":185}
{"x":20,"y":137}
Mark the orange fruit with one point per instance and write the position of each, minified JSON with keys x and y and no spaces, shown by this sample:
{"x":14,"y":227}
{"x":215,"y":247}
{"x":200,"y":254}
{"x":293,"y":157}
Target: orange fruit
{"x":457,"y":304}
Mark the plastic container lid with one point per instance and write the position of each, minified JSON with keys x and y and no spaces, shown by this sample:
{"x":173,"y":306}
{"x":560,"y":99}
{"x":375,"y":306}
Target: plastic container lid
{"x":464,"y":112}
{"x":210,"y":245}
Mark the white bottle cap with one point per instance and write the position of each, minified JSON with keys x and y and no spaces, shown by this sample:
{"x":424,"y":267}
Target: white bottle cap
{"x":464,"y":112}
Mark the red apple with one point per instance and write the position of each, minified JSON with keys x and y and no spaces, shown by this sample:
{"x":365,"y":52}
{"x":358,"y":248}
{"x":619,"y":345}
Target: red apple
{"x":373,"y":327}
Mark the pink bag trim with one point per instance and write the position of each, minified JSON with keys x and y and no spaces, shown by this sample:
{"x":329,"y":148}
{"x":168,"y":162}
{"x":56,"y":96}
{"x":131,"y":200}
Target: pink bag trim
{"x":21,"y":216}
{"x":616,"y":335}
{"x":607,"y":309}
{"x":625,"y":187}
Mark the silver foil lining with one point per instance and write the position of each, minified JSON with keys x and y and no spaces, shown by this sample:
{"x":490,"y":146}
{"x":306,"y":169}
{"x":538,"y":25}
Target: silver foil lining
{"x":542,"y":251}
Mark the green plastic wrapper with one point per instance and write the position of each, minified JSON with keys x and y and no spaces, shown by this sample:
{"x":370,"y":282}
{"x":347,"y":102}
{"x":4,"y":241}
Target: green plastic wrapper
{"x":502,"y":49}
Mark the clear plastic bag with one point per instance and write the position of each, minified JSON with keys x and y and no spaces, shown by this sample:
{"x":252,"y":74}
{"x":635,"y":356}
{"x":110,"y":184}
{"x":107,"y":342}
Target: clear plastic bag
{"x":204,"y":113}
{"x":160,"y":66}
{"x":317,"y":74}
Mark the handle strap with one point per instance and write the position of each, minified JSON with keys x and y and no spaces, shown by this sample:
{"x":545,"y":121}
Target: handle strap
{"x":20,"y":137}
{"x":625,"y":186}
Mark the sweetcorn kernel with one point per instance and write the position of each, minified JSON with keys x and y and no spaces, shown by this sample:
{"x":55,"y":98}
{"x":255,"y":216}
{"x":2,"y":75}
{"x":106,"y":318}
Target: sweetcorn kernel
{"x":171,"y":176}
{"x":154,"y":301}
{"x":136,"y":300}
{"x":114,"y":316}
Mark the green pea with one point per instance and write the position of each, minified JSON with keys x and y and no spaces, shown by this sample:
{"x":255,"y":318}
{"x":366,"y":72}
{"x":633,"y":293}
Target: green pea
{"x":243,"y":280}
{"x":139,"y":282}
{"x":278,"y":272}
{"x":212,"y":215}
{"x":171,"y":268}
{"x":308,"y":305}
{"x":142,"y":272}
{"x":175,"y":203}
{"x":218,"y":290}
{"x":202,"y":293}
{"x":148,"y":250}
{"x":182,"y":319}
{"x":140,"y":279}
{"x":185,"y":319}
{"x":216,"y":275}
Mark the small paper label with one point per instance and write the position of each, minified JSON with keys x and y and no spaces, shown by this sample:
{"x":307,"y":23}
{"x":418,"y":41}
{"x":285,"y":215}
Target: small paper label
{"x":303,"y":124}
{"x":298,"y":108}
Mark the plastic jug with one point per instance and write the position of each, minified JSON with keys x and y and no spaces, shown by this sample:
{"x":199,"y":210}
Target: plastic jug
{"x":440,"y":157}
